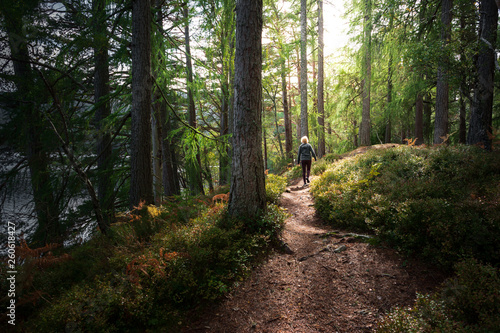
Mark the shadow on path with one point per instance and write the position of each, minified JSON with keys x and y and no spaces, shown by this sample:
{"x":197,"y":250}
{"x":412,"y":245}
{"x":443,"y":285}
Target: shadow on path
{"x":332,"y":282}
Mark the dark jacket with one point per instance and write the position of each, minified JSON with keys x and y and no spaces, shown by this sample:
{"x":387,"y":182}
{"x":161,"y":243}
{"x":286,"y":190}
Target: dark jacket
{"x":306,"y":153}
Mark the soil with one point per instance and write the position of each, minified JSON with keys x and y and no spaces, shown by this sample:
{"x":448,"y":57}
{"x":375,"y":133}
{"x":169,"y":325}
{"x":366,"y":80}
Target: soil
{"x":334,"y":281}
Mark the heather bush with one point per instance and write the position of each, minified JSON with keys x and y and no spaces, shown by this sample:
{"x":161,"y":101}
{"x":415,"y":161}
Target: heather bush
{"x":293,"y":173}
{"x":473,"y":295}
{"x":468,"y":302}
{"x":426,"y":316}
{"x":319,"y":166}
{"x":157,"y":266}
{"x":438,"y":203}
{"x":275,"y":186}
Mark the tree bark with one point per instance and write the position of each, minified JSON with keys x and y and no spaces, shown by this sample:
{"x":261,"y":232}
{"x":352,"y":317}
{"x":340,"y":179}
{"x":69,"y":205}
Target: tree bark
{"x":304,"y":127}
{"x":427,"y":119}
{"x":388,"y":116}
{"x":227,"y":53}
{"x":193,"y":165}
{"x":419,"y":102}
{"x":248,"y":196}
{"x":105,"y":187}
{"x":364,"y":130}
{"x":286,"y":112}
{"x":141,"y":179}
{"x":419,"y":120}
{"x":321,"y":83}
{"x":462,"y":130}
{"x":166,"y":152}
{"x":442,"y":88}
{"x":48,"y":229}
{"x":158,"y":106}
{"x":482,"y":105}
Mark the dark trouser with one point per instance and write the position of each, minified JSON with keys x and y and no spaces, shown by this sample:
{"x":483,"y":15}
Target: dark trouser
{"x":306,"y":169}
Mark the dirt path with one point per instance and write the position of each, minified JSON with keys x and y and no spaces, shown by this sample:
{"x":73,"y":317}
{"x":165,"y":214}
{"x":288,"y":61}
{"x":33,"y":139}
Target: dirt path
{"x":331,"y":283}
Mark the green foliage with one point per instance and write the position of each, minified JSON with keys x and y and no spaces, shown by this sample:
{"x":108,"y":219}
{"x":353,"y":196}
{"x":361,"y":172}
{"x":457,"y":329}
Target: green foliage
{"x":294,"y":173}
{"x":468,"y":302}
{"x":275,"y":186}
{"x":331,"y":157}
{"x":272,"y":223}
{"x":437,"y":203}
{"x":427,"y":315}
{"x":473,"y":297}
{"x":319,"y":167}
{"x":151,"y":276}
{"x":278,"y":164}
{"x":440,"y":203}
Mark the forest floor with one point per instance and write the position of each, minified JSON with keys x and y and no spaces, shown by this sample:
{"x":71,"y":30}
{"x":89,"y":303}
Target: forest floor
{"x":332,"y":282}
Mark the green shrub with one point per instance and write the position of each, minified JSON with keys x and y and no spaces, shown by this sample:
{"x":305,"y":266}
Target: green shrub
{"x":275,"y":186}
{"x":438,"y":203}
{"x":99,"y":306}
{"x":319,"y":167}
{"x":468,"y":302}
{"x":149,"y":286}
{"x":331,"y":157}
{"x":294,"y":173}
{"x":427,"y":315}
{"x":473,"y":295}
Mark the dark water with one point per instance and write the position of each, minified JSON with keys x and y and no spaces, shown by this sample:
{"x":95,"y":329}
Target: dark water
{"x":17,"y":206}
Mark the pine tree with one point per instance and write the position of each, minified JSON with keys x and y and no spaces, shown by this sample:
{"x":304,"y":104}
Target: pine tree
{"x":247,"y":194}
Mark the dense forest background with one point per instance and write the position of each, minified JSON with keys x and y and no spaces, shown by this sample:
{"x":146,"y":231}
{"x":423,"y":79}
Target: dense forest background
{"x":105,"y":104}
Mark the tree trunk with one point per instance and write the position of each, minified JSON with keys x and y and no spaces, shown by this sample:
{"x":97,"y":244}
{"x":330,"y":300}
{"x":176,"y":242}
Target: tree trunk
{"x":442,"y":88}
{"x":141,"y":180}
{"x":207,"y":172}
{"x":223,"y":132}
{"x":265,"y":147}
{"x":48,"y":229}
{"x":286,"y":113}
{"x":156,"y":135}
{"x":248,"y":196}
{"x":278,"y":134}
{"x":321,"y":83}
{"x":169,"y":176}
{"x":465,"y":78}
{"x":427,"y":119}
{"x":388,"y":130}
{"x":419,"y":120}
{"x":419,"y":102}
{"x":304,"y":127}
{"x":193,"y":168}
{"x":388,"y":113}
{"x":227,"y":51}
{"x":364,"y":130}
{"x":158,"y":108}
{"x":482,"y":105}
{"x":462,"y":130}
{"x":354,"y":134}
{"x":105,"y":187}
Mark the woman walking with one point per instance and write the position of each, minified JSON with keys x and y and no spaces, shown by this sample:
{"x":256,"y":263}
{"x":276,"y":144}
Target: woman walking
{"x":306,"y":153}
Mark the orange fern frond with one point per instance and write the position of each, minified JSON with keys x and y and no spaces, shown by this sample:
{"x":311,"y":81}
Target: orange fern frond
{"x":141,"y":205}
{"x":23,"y":251}
{"x":410,"y":141}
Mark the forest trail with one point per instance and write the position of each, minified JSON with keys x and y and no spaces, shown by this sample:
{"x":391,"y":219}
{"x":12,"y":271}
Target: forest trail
{"x":333,"y":282}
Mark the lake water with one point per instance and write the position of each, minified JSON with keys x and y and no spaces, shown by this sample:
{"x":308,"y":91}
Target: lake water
{"x":17,"y":206}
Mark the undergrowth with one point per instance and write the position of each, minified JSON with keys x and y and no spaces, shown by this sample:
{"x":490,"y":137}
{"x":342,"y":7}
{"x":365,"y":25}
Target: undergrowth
{"x":159,"y":263}
{"x":437,"y":203}
{"x":440,"y":204}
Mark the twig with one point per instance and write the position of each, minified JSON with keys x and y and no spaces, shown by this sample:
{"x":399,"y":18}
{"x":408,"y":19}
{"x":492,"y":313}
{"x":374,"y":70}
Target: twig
{"x":178,"y":117}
